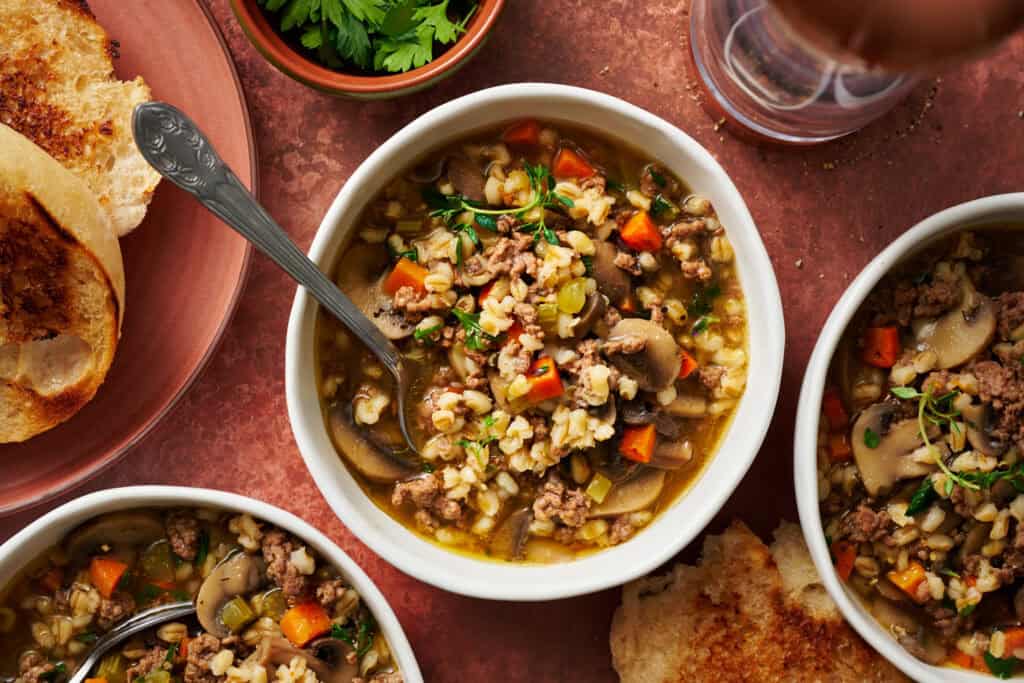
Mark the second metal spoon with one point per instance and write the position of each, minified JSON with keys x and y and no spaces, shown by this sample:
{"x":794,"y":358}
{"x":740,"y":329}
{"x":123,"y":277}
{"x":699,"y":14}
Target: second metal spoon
{"x":178,"y":150}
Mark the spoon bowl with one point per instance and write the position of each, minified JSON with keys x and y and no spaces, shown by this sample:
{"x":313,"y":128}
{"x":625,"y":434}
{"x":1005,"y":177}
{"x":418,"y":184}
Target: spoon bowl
{"x":173,"y":145}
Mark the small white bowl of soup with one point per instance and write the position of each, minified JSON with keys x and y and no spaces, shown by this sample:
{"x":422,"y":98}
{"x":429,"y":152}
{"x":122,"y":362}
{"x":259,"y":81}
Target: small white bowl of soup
{"x":906,"y":474}
{"x":595,"y":329}
{"x":269,"y":589}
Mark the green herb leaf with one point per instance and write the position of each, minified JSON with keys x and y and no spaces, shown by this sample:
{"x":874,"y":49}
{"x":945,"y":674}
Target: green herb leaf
{"x":871,"y":438}
{"x":313,"y":37}
{"x":588,"y":264}
{"x":420,"y":335}
{"x":487,"y":222}
{"x":657,"y":177}
{"x":427,"y":467}
{"x":371,"y":11}
{"x":352,"y":40}
{"x":398,"y":55}
{"x":1000,"y":668}
{"x":296,"y":14}
{"x":703,"y":301}
{"x":172,"y":652}
{"x":968,"y":609}
{"x":946,"y":571}
{"x":434,"y":19}
{"x":59,"y":669}
{"x":922,"y":498}
{"x":661,"y":206}
{"x":399,"y":19}
{"x":476,"y":338}
{"x":905,"y":392}
{"x":204,"y":548}
{"x":87,"y":637}
{"x":702,"y":324}
{"x":615,"y":186}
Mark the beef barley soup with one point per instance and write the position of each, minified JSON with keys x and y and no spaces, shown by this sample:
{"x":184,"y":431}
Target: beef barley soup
{"x":268,"y":608}
{"x":576,"y":326}
{"x":921,"y":473}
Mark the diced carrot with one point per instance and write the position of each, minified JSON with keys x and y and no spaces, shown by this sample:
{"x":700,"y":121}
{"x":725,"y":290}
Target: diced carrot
{"x":486,"y":291}
{"x":106,"y":573}
{"x":304,"y":622}
{"x":845,"y":553}
{"x":971,"y":580}
{"x":688,"y":366}
{"x":881,"y":346}
{"x":406,"y":274}
{"x":515,"y":331}
{"x":52,"y":579}
{"x":835,"y":412}
{"x":641,"y":233}
{"x":1014,"y":639}
{"x":839,"y":449}
{"x":638,"y":443}
{"x":628,"y":305}
{"x":961,"y":659}
{"x":101,"y":679}
{"x":569,"y":164}
{"x":544,"y":380}
{"x":909,"y":579}
{"x":164,"y":585}
{"x":183,"y":647}
{"x":524,"y":133}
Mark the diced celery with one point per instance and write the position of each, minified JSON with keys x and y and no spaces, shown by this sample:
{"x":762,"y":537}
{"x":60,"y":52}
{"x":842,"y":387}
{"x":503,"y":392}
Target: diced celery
{"x":572,"y":296}
{"x":547,"y":315}
{"x":112,"y":668}
{"x":157,"y":562}
{"x":409,"y":226}
{"x":599,"y":487}
{"x":236,"y":613}
{"x":273,"y":605}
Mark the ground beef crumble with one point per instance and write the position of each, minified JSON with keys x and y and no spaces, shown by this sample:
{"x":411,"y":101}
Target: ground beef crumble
{"x":864,"y":524}
{"x":201,"y":650}
{"x":277,"y":548}
{"x":1011,"y":313}
{"x":426,"y":492}
{"x":565,"y":505}
{"x":33,"y":667}
{"x":183,"y":534}
{"x":330,"y":591}
{"x":117,"y":607}
{"x":151,"y":661}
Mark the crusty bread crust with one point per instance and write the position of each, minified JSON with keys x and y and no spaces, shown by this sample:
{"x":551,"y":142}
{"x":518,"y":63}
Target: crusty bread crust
{"x":61,"y":291}
{"x":58,"y":88}
{"x":735,"y":618}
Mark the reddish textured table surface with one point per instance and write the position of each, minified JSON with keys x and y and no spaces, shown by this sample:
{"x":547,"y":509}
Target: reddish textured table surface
{"x":823,"y":213}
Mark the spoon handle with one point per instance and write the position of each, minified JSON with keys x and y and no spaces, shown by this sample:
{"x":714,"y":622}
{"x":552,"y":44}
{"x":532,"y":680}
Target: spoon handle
{"x":175,"y":147}
{"x":123,"y":631}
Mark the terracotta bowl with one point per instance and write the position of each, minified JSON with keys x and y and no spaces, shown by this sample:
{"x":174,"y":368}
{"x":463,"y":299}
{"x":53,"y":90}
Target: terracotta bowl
{"x":268,"y":41}
{"x":184,"y":268}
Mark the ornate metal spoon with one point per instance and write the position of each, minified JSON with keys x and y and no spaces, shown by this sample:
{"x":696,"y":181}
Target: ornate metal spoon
{"x":176,"y":148}
{"x":140,"y":622}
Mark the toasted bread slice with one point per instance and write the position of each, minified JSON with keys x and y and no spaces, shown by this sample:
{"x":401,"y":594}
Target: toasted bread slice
{"x":57,"y":87}
{"x":736,"y":617}
{"x":61,"y":291}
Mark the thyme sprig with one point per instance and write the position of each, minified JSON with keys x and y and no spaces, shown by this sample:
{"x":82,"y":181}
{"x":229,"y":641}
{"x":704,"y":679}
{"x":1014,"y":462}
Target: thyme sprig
{"x":939,"y":411}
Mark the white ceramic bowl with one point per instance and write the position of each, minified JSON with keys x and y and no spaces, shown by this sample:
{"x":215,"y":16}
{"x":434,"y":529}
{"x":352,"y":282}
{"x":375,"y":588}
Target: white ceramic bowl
{"x":997,"y":209}
{"x":48,"y":530}
{"x":672,"y":529}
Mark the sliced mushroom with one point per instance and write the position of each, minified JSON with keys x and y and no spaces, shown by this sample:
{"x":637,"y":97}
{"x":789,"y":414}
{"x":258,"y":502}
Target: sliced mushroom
{"x":636,"y":493}
{"x":656,"y":366}
{"x":962,"y":333}
{"x":979,"y":429}
{"x":328,"y":658}
{"x":509,"y":538}
{"x":461,"y":363}
{"x":466,"y":178}
{"x":236,"y":575}
{"x":611,"y":279}
{"x":890,"y":461}
{"x":976,"y":537}
{"x":638,"y":413}
{"x":593,"y":311}
{"x":671,"y":454}
{"x":361,"y":272}
{"x":860,"y":384}
{"x":373,"y":462}
{"x":131,"y":528}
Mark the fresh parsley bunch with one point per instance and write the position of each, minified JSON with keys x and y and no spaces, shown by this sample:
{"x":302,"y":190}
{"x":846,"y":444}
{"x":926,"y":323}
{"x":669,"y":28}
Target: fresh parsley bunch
{"x":379,"y":35}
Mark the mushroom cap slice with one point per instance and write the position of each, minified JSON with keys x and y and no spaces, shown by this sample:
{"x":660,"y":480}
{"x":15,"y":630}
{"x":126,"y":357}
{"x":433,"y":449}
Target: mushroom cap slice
{"x":326,"y":657}
{"x":509,"y":538}
{"x":593,"y":310}
{"x":130,"y":527}
{"x":467,"y":178}
{"x":656,"y":366}
{"x":881,"y":467}
{"x":371,"y":461}
{"x":979,"y":425}
{"x":612,"y":280}
{"x":362,"y":269}
{"x":547,"y":551}
{"x":671,"y":454}
{"x":636,"y":493}
{"x":236,"y":575}
{"x":960,"y":334}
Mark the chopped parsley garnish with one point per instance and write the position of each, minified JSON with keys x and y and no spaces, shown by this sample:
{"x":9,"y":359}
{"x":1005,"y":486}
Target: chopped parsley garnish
{"x":382,"y":35}
{"x":424,"y":334}
{"x":543,"y":196}
{"x":87,"y":637}
{"x":701,"y":306}
{"x":663,"y":207}
{"x":657,"y":177}
{"x":1000,"y":668}
{"x":427,"y":467}
{"x":588,"y":265}
{"x":922,"y":498}
{"x":871,"y":438}
{"x":172,"y":652}
{"x":358,"y":635}
{"x":476,"y":338}
{"x":615,"y":186}
{"x":59,"y":669}
{"x":410,"y":253}
{"x":702,"y":324}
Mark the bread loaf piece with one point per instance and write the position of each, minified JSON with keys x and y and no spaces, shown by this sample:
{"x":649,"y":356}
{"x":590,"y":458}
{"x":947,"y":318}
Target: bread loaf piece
{"x":61,"y":291}
{"x":58,"y":88}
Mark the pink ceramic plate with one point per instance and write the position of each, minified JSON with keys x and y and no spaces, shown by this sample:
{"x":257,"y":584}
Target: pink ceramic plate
{"x":184,"y":268}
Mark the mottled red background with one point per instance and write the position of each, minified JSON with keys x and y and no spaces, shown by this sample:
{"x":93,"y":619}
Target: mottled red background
{"x":823,"y":213}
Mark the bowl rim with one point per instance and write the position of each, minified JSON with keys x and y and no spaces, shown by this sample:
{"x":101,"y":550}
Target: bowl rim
{"x":473,"y":577}
{"x":978,"y":212}
{"x":276,"y":50}
{"x":62,"y":519}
